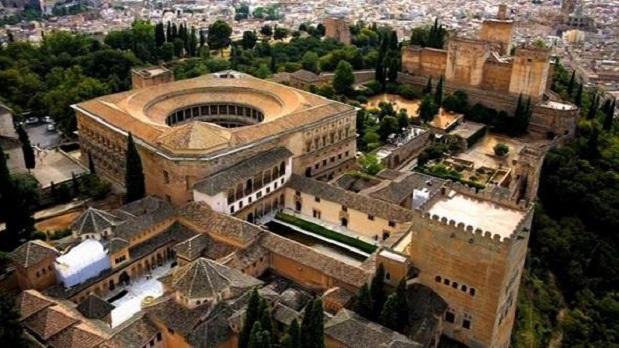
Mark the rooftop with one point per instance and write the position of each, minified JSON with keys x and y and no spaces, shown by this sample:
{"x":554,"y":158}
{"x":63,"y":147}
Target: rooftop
{"x":482,"y":214}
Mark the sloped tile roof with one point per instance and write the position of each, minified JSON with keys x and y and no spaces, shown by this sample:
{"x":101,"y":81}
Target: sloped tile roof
{"x":193,"y":247}
{"x":30,"y":302}
{"x":240,"y":172}
{"x":206,"y":278}
{"x":94,"y":221}
{"x":94,"y":307}
{"x":32,"y":252}
{"x":50,"y":321}
{"x":352,"y":330}
{"x":136,"y":334}
{"x":78,"y":336}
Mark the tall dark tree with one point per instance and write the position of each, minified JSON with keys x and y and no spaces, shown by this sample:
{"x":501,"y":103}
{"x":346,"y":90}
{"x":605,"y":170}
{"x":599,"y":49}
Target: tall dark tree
{"x":393,"y":66}
{"x":266,"y":31}
{"x":5,"y":184}
{"x":609,"y":114}
{"x":255,"y":337}
{"x":134,"y":175}
{"x":363,"y":305}
{"x":402,"y":304}
{"x":91,"y":164}
{"x":428,"y":88}
{"x":591,"y":149}
{"x":252,"y":314}
{"x":593,"y":107}
{"x":389,"y":314}
{"x":380,"y":74}
{"x":292,"y":339}
{"x":377,"y":291}
{"x":159,"y":34}
{"x":11,"y":332}
{"x":28,"y":151}
{"x":570,"y":84}
{"x":312,"y":328}
{"x":578,"y":97}
{"x":438,"y":94}
{"x":344,"y":77}
{"x":192,"y":43}
{"x":249,"y":39}
{"x":168,"y":32}
{"x":307,"y":326}
{"x":427,"y":109}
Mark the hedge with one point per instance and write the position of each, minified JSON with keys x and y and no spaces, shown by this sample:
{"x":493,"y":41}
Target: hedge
{"x":321,"y":231}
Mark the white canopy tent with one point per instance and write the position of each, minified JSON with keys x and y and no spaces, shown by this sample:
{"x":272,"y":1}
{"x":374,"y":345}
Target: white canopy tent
{"x":86,"y":260}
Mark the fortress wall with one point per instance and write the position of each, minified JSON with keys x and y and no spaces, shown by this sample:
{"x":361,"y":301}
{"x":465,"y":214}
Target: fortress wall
{"x":424,"y":61}
{"x":465,"y":61}
{"x":499,"y":32}
{"x":497,"y":76}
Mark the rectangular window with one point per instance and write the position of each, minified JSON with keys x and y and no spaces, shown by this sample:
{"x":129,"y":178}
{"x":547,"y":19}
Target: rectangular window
{"x":371,"y":217}
{"x":317,"y":199}
{"x":391,"y":223}
{"x":450,"y":317}
{"x":344,"y":208}
{"x":166,"y":177}
{"x":466,"y":324}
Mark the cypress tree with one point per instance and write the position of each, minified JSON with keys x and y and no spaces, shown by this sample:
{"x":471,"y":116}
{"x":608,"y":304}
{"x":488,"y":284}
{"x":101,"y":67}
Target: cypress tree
{"x":380,"y":75}
{"x":377,"y":291}
{"x":428,"y":88}
{"x":402,"y":304}
{"x":168,"y":33}
{"x":438,"y":94}
{"x":318,"y":324}
{"x":306,"y":326}
{"x":294,"y":334}
{"x":389,"y":314}
{"x":76,"y":184}
{"x":5,"y":184}
{"x":255,"y":336}
{"x":174,"y":32}
{"x":578,"y":98}
{"x":609,"y":113}
{"x":570,"y":85}
{"x":363,"y":305}
{"x":159,"y":34}
{"x":192,"y":42}
{"x":29,"y":159}
{"x":252,"y":314}
{"x":593,"y":108}
{"x":134,"y":175}
{"x":91,"y":164}
{"x":591,"y":147}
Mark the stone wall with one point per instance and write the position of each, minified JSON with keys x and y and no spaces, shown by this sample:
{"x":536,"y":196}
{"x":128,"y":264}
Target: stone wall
{"x":497,"y":76}
{"x":465,"y":61}
{"x":530,"y":72}
{"x":403,"y":153}
{"x":424,"y":61}
{"x":498,"y":32}
{"x":337,"y":29}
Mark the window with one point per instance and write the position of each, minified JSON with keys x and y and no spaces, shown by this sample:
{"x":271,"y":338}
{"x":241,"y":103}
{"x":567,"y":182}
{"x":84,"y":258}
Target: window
{"x":466,"y":323}
{"x":371,"y":217}
{"x":463,"y":288}
{"x":344,"y":208}
{"x":454,"y":285}
{"x":171,"y":331}
{"x":391,"y":223}
{"x":166,"y":177}
{"x":316,"y":213}
{"x":297,"y":193}
{"x":438,"y":279}
{"x":385,"y":235}
{"x":158,"y":336}
{"x":446,"y":281}
{"x":450,"y":317}
{"x":472,"y":291}
{"x":231,"y":209}
{"x":317,"y":199}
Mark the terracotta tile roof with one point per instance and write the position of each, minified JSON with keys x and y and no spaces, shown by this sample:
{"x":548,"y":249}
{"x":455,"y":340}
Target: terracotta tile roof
{"x":78,"y":336}
{"x":204,"y":278}
{"x":230,"y":177}
{"x":176,"y":316}
{"x":136,"y":334}
{"x":402,"y":187}
{"x":352,"y":330}
{"x":94,"y":221}
{"x":196,"y":135}
{"x":305,"y":75}
{"x":339,"y":270}
{"x":199,"y":216}
{"x":141,"y":215}
{"x":50,"y":321}
{"x":193,"y":247}
{"x":30,"y":302}
{"x":349,"y":199}
{"x":94,"y":307}
{"x":32,"y":252}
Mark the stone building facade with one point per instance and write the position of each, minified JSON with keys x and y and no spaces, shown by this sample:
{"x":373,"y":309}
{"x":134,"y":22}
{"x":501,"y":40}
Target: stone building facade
{"x":338,"y":29}
{"x":188,"y":130}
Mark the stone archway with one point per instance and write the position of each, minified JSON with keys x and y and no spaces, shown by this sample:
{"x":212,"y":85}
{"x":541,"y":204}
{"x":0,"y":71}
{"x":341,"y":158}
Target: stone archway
{"x":124,"y":278}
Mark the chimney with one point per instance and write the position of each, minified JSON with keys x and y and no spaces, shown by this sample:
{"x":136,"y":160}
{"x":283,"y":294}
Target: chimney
{"x":502,"y":14}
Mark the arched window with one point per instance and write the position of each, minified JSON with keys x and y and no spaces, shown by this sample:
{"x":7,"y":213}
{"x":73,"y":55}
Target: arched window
{"x":438,"y":279}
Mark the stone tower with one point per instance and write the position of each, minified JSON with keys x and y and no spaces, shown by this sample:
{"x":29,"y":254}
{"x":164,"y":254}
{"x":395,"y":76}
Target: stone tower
{"x":337,"y":28}
{"x":465,"y":61}
{"x":476,"y":272}
{"x":498,"y":30}
{"x":530,"y":72}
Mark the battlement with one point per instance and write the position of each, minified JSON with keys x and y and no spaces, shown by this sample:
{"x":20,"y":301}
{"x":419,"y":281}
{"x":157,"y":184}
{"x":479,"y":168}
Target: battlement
{"x":492,"y":193}
{"x":530,"y":52}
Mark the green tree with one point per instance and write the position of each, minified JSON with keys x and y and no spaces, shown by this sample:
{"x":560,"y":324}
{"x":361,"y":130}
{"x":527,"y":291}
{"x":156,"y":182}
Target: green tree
{"x":20,"y":199}
{"x":609,"y":114}
{"x":578,"y":97}
{"x":309,"y":61}
{"x":167,"y":51}
{"x":29,"y":158}
{"x":403,"y":120}
{"x":280,"y":33}
{"x":307,"y":326}
{"x":344,"y":78}
{"x":428,"y":88}
{"x":427,"y":109}
{"x":192,"y":43}
{"x":363,"y":304}
{"x":134,"y":175}
{"x":501,"y":149}
{"x":388,"y":125}
{"x":159,"y":35}
{"x":219,"y":35}
{"x":593,"y":107}
{"x":438,"y":94}
{"x":292,"y":339}
{"x":11,"y":332}
{"x":249,"y":39}
{"x":252,"y":314}
{"x":255,"y":336}
{"x":389,"y":314}
{"x":370,"y":164}
{"x":570,"y":85}
{"x":266,"y":31}
{"x":377,"y":291}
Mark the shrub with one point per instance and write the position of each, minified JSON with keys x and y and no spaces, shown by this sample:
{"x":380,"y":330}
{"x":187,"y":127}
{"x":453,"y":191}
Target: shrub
{"x":39,"y":235}
{"x":391,"y":87}
{"x":501,"y":149}
{"x":362,"y":99}
{"x":374,"y":86}
{"x":408,"y":92}
{"x":60,"y":234}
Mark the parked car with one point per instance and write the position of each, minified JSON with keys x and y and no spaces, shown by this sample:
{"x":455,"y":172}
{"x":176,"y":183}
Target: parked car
{"x":32,"y":120}
{"x":48,"y":119}
{"x":51,"y":127}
